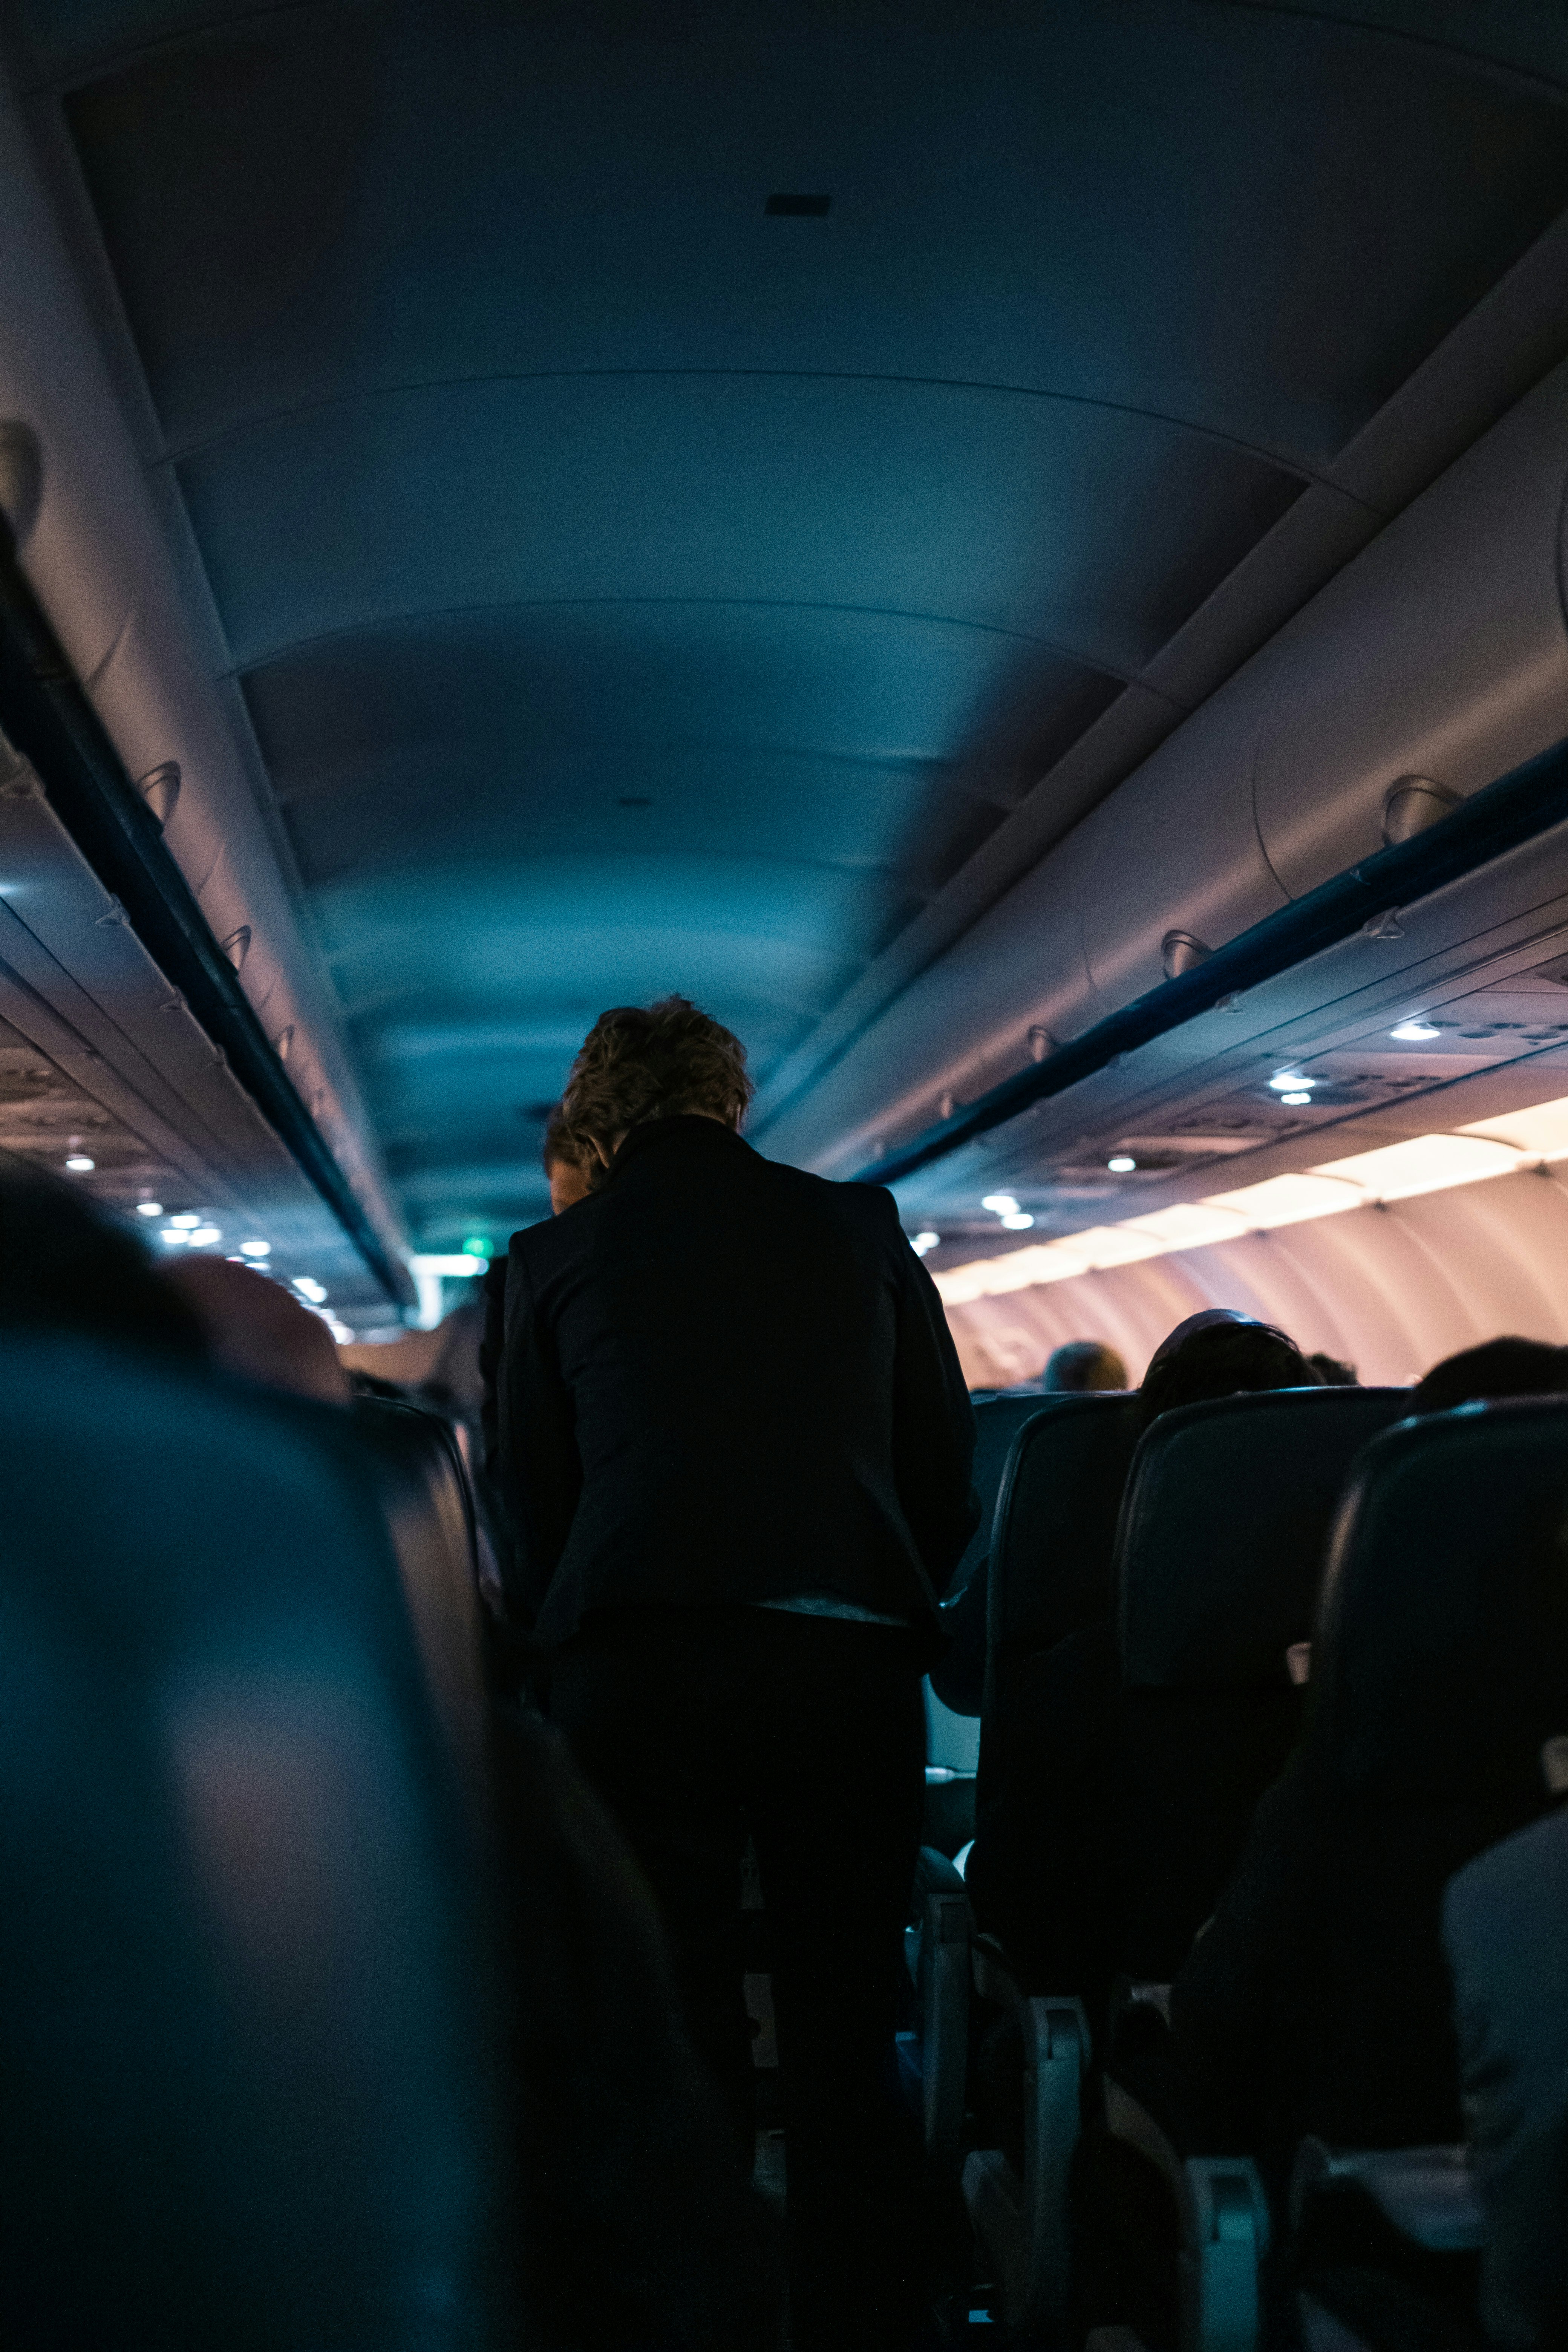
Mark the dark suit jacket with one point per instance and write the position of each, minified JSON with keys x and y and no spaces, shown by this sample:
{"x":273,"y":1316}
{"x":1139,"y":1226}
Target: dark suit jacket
{"x":725,"y":1380}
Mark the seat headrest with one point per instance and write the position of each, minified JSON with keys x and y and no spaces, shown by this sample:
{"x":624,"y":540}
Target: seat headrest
{"x":1055,"y":1520}
{"x":1224,"y":1527}
{"x":1440,"y":1661}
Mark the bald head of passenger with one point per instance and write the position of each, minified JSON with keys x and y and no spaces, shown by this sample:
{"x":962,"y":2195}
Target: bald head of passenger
{"x":257,"y":1329}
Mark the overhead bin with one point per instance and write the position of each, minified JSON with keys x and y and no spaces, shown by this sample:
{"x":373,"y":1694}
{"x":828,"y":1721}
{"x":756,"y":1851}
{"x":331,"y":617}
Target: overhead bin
{"x":95,"y":522}
{"x":1440,"y":653}
{"x":1436,"y":660}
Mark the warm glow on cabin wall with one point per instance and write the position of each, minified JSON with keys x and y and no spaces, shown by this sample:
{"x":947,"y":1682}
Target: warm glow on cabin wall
{"x":1391,"y":1288}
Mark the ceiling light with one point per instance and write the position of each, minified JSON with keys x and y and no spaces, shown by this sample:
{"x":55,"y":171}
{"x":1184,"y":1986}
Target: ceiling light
{"x":1411,"y":1032}
{"x":309,"y":1288}
{"x":185,"y":1222}
{"x":172,"y":1237}
{"x":1295,"y":1101}
{"x":456,"y":1266}
{"x":205,"y":1235}
{"x":149,"y":1208}
{"x":79,"y":1164}
{"x":1290,"y":1082}
{"x":1019,"y":1222}
{"x":256,"y":1249}
{"x":1122,"y":1164}
{"x":1001,"y":1204}
{"x":923,"y":1241}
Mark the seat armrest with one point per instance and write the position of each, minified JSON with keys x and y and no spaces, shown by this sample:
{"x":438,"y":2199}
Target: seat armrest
{"x":996,"y":1976}
{"x":1024,"y":2225}
{"x":939,"y":1964}
{"x":1223,"y":2218}
{"x":1428,"y":2194}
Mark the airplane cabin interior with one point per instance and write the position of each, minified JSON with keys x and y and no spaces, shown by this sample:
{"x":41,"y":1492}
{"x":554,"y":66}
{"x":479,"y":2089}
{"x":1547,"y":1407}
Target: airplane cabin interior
{"x":1016,"y":554}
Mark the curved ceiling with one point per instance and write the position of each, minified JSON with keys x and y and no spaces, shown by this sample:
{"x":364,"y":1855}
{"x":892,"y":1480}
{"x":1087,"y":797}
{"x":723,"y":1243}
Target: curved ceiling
{"x":629,"y":589}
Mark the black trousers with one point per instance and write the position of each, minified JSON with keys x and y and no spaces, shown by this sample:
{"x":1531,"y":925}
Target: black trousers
{"x":699,"y":1726}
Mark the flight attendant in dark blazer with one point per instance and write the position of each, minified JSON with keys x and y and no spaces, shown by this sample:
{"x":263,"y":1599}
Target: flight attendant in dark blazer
{"x":735,"y":1444}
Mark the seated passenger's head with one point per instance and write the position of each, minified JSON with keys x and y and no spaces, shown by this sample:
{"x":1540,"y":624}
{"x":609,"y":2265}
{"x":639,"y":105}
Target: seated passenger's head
{"x":64,"y":1268}
{"x":569,"y":1165}
{"x":1220,"y":1354}
{"x":255,"y":1327}
{"x":668,"y":1062}
{"x":1083,"y":1364}
{"x":1499,"y":1368}
{"x":1333,"y":1372}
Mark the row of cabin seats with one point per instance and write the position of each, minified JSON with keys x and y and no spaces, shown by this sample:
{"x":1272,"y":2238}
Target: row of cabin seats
{"x":331,"y":2013}
{"x":1150,"y":1740}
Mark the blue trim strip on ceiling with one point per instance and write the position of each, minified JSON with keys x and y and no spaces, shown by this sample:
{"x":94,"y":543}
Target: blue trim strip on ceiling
{"x":1517,"y":808}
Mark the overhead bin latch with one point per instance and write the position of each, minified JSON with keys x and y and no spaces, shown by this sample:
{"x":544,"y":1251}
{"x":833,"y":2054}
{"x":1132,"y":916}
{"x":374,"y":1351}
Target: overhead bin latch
{"x":1180,"y":952}
{"x":1413,"y":803}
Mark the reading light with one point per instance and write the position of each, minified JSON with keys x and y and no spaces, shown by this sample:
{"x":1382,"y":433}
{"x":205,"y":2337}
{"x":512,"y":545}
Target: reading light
{"x":149,"y":1208}
{"x":923,"y":1241}
{"x":1411,"y":1032}
{"x":309,"y":1288}
{"x":1295,"y":1101}
{"x":172,"y":1237}
{"x":256,"y":1249}
{"x":79,"y":1164}
{"x":1001,"y":1204}
{"x":1290,"y":1082}
{"x":1123,"y":1165}
{"x":203,"y":1235}
{"x":1018,"y":1221}
{"x":186,"y":1223}
{"x":456,"y":1266}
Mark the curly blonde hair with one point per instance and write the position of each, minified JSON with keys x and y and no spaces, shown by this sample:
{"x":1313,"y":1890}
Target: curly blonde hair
{"x":635,"y":1066}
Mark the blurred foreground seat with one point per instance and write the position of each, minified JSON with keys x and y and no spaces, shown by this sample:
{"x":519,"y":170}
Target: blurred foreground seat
{"x":248,"y":1995}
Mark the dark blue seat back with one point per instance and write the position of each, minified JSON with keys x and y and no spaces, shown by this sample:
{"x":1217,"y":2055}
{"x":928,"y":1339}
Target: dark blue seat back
{"x":997,"y":1421}
{"x":1439,"y":1672}
{"x":423,"y":1491}
{"x":1220,"y":1554}
{"x":1224,"y":1527}
{"x":246,"y":1987}
{"x":1443,"y":1643}
{"x":1051,"y":1563}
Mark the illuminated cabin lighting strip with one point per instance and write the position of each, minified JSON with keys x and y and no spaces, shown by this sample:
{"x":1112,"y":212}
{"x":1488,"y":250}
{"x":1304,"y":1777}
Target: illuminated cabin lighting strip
{"x":1396,"y":1171}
